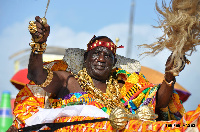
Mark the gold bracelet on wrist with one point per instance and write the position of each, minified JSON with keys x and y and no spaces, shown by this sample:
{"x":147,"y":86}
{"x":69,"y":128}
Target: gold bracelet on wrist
{"x":38,"y":48}
{"x":48,"y":79}
{"x":170,"y":83}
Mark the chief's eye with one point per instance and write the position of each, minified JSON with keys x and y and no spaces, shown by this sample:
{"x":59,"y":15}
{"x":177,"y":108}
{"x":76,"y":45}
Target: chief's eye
{"x":96,"y":53}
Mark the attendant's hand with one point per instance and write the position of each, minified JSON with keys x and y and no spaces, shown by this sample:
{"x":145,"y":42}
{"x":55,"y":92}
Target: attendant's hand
{"x":41,"y":32}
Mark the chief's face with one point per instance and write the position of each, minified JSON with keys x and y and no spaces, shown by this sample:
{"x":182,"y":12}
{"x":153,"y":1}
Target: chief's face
{"x":99,"y":63}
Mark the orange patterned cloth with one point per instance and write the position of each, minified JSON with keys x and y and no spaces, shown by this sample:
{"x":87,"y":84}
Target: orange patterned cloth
{"x":25,"y":108}
{"x":27,"y":102}
{"x":136,"y":92}
{"x":189,"y":122}
{"x":32,"y":97}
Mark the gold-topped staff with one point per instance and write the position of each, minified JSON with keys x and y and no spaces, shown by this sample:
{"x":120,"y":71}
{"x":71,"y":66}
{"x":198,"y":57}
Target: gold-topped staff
{"x":38,"y":48}
{"x":44,"y":20}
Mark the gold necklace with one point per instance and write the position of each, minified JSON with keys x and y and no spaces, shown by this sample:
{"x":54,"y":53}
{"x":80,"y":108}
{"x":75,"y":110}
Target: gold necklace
{"x":119,"y":115}
{"x":111,"y":99}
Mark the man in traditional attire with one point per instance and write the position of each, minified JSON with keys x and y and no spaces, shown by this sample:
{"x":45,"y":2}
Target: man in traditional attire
{"x":117,"y":98}
{"x":140,"y":102}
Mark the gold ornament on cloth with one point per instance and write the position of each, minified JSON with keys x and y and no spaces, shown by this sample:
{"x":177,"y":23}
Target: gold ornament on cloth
{"x":119,"y":118}
{"x":181,"y":28}
{"x":146,"y":113}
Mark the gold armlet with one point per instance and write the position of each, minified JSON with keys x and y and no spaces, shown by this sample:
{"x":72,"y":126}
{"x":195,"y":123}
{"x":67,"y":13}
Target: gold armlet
{"x":170,"y":83}
{"x":38,"y":48}
{"x":48,"y":79}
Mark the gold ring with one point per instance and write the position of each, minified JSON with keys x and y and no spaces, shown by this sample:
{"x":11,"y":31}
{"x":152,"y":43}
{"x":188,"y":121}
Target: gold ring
{"x":32,"y":27}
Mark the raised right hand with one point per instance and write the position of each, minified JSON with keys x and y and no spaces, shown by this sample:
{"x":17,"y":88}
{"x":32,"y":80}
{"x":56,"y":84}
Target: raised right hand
{"x":42,"y":31}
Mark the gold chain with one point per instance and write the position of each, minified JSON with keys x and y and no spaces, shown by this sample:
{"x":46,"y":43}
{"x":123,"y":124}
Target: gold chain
{"x":111,"y":99}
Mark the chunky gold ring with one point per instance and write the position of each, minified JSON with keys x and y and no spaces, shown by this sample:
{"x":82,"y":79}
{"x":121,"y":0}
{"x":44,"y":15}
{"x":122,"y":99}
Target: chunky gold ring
{"x":32,"y":27}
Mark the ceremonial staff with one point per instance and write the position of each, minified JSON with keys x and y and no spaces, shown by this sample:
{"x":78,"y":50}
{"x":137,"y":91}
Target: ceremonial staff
{"x":44,"y":20}
{"x":36,"y":46}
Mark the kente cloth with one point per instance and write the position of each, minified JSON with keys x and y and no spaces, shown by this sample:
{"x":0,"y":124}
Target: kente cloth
{"x":136,"y":92}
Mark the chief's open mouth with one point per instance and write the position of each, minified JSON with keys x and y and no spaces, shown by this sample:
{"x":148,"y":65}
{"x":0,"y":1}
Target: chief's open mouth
{"x":100,"y":67}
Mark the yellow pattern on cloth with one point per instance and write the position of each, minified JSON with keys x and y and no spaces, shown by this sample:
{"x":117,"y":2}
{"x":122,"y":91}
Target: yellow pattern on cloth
{"x":56,"y":103}
{"x":27,"y":103}
{"x":138,"y":91}
{"x":137,"y":101}
{"x":32,"y":97}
